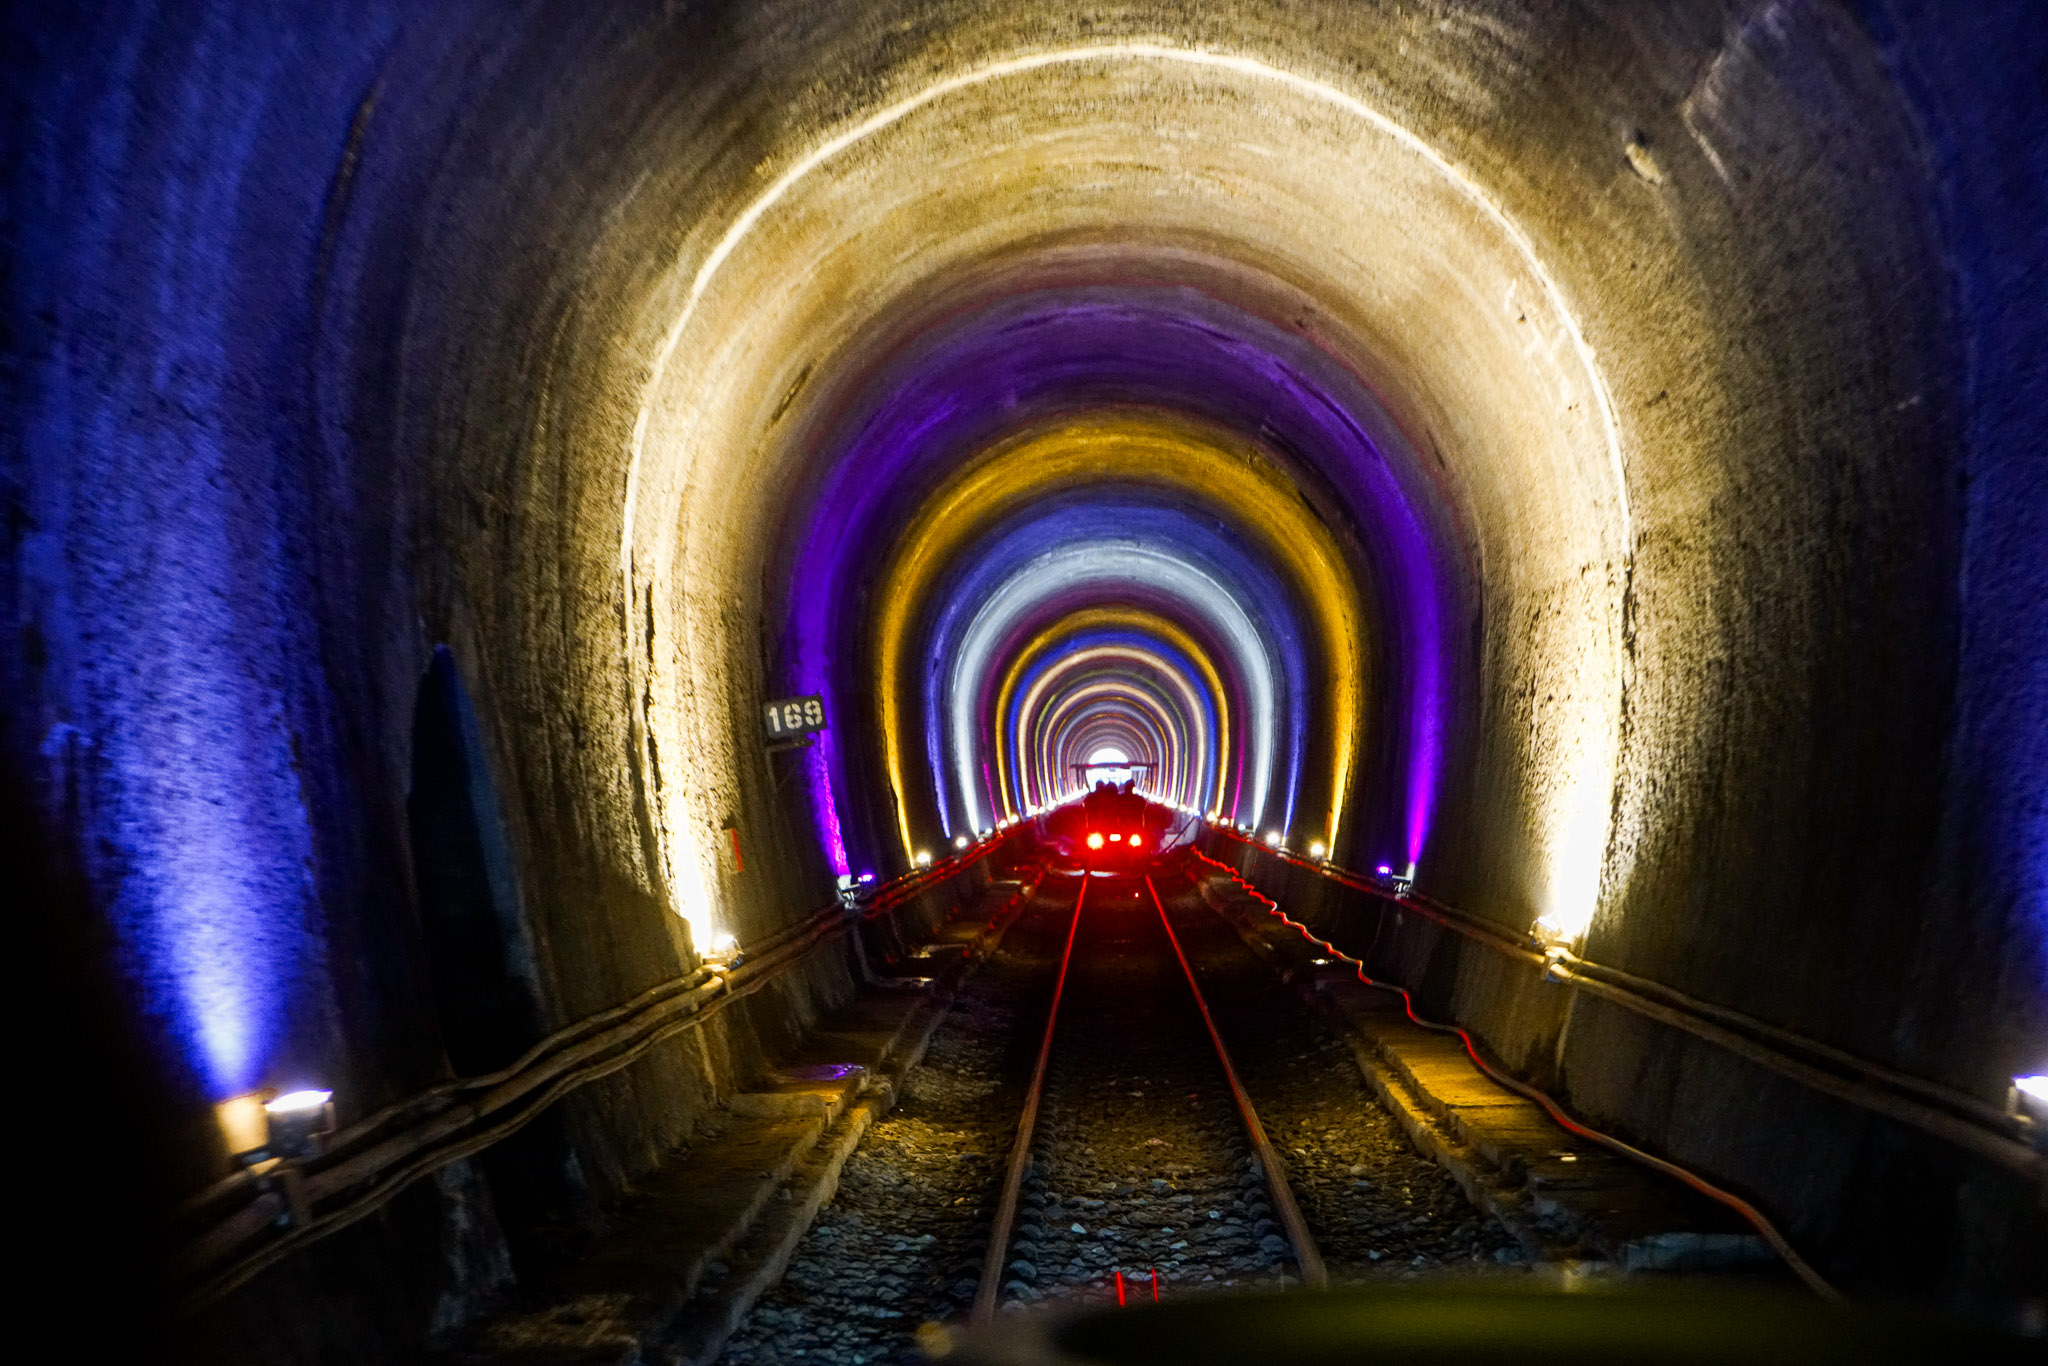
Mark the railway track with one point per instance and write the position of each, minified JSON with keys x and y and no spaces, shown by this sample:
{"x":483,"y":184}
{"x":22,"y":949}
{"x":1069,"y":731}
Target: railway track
{"x":1124,"y":1102}
{"x":1129,"y":1024}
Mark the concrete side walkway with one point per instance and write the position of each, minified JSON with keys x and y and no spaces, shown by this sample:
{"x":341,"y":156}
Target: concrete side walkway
{"x":1567,"y":1200}
{"x":700,"y":1240}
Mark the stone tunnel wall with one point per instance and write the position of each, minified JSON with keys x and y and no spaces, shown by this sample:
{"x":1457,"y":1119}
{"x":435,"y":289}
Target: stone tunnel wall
{"x":1872,"y":1202}
{"x":328,"y":327}
{"x":452,"y":1247}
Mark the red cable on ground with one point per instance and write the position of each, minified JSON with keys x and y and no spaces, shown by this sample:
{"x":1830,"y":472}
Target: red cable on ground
{"x":1755,"y":1217}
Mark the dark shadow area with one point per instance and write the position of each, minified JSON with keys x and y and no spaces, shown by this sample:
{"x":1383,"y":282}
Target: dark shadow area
{"x":100,"y":1149}
{"x":476,"y":946}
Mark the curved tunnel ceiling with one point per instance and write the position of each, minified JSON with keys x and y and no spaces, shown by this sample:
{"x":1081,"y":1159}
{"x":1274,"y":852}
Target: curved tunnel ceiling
{"x":1070,"y":335}
{"x":1591,"y":454}
{"x":1429,"y":433}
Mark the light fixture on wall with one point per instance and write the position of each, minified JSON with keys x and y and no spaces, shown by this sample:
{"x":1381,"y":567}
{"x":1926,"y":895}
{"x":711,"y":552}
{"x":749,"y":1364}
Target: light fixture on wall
{"x":1556,"y":932}
{"x":261,"y":1127}
{"x":244,"y":1127}
{"x":298,"y":1121}
{"x":2027,"y":1103}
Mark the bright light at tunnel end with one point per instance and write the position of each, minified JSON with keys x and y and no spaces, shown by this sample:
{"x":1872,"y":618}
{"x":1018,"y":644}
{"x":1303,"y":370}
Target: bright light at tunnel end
{"x":1569,"y":913}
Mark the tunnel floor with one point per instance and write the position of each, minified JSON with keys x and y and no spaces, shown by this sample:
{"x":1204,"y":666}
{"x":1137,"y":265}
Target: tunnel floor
{"x":1139,"y":1165}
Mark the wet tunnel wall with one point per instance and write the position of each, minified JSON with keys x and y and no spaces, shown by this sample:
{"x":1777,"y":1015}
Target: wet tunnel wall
{"x":1686,"y":592}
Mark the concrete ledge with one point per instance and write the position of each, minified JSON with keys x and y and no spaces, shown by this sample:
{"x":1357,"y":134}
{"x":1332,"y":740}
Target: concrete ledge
{"x":702,"y":1239}
{"x":1564,"y":1199}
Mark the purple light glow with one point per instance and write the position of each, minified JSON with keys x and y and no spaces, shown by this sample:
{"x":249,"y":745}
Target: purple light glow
{"x":959,"y":388}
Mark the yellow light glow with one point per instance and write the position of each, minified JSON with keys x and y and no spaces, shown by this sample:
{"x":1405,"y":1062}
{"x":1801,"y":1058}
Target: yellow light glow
{"x":244,"y":1124}
{"x":1575,"y":855}
{"x":1165,"y":451}
{"x":1096,"y":618}
{"x":675,"y":423}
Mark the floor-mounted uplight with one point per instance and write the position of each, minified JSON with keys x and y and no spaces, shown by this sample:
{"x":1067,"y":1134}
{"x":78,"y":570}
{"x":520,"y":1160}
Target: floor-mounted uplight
{"x":259,"y":1128}
{"x":1273,"y":838}
{"x":2027,"y":1103}
{"x":722,"y":952}
{"x":244,"y":1128}
{"x":1553,"y":930}
{"x":959,"y":841}
{"x":924,"y":858}
{"x":271,"y":1135}
{"x":1317,"y":849}
{"x":298,"y":1120}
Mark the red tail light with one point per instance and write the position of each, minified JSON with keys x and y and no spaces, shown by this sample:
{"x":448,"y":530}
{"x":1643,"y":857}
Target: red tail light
{"x":1095,"y":839}
{"x":1136,"y":840}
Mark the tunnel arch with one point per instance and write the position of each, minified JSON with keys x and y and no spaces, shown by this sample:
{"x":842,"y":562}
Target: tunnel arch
{"x":1579,"y":788}
{"x":361,"y":345}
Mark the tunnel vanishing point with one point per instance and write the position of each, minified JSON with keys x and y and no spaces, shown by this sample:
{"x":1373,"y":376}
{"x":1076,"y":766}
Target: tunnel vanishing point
{"x":1580,"y":461}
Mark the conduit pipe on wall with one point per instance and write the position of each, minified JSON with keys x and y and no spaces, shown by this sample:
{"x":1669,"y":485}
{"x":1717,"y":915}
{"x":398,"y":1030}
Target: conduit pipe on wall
{"x":1750,"y":1213}
{"x":363,"y":1172}
{"x":1938,"y":1111}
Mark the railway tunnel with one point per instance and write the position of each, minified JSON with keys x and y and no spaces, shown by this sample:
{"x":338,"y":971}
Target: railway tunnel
{"x":561,"y":559}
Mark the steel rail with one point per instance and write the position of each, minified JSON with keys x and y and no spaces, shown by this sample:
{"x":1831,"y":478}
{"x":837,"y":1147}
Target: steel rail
{"x":1313,"y":1273}
{"x":1020,"y":1147}
{"x":1501,"y":1077}
{"x":1941,"y":1111}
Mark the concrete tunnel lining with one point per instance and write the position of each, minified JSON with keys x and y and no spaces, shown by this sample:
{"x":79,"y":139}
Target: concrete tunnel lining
{"x":1746,"y":703}
{"x":1493,"y":263}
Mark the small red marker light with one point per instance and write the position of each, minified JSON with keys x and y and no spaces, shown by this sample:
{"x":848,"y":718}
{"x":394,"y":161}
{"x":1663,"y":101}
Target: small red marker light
{"x":1116,"y":839}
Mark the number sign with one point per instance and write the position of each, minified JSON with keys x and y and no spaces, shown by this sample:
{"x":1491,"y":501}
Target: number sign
{"x":793,"y":716}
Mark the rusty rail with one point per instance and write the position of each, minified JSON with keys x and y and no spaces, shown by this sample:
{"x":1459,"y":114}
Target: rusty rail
{"x":1313,"y":1273}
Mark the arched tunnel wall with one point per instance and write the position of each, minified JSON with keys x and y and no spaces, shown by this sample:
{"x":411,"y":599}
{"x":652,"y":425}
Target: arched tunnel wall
{"x":1708,"y":334}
